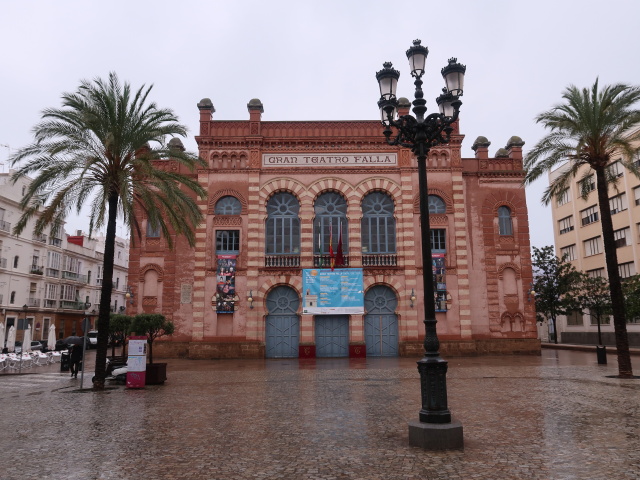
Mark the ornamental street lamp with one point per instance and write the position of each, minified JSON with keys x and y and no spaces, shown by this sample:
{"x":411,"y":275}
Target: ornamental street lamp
{"x":436,"y":430}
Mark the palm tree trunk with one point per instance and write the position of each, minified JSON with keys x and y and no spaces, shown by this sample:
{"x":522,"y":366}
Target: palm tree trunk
{"x":105,"y":295}
{"x":611,"y":256}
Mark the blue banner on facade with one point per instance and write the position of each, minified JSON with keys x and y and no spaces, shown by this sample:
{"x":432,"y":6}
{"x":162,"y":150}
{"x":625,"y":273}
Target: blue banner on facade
{"x":326,"y":292}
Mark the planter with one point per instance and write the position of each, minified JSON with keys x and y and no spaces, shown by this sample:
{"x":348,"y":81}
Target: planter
{"x":156,"y":373}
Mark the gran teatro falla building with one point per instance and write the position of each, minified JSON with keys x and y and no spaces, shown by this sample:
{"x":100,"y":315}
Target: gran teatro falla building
{"x":289,"y":199}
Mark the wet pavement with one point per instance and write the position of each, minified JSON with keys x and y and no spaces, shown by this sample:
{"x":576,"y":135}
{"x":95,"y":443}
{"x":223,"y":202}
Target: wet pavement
{"x":557,"y":416}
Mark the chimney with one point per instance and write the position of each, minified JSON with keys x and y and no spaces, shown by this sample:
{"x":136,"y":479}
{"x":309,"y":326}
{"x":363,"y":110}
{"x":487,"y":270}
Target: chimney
{"x":481,"y":147}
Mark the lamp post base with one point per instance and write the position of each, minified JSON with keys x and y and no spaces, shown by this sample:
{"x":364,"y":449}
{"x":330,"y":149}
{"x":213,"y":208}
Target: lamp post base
{"x":436,"y":436}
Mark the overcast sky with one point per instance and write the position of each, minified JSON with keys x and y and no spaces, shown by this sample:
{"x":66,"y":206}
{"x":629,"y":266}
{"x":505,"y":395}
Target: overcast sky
{"x":316,"y":60}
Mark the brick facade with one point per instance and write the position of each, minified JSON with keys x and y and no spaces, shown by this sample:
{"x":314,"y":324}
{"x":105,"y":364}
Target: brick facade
{"x":487,"y":276}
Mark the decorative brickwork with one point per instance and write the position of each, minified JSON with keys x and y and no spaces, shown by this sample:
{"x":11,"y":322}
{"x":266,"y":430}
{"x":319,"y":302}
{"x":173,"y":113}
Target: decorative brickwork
{"x":486,"y":273}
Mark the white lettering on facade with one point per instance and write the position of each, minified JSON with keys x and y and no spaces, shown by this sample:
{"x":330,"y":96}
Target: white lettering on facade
{"x":386,"y":159}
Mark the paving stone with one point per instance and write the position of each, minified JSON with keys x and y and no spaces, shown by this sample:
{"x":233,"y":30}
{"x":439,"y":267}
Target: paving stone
{"x":557,"y":416}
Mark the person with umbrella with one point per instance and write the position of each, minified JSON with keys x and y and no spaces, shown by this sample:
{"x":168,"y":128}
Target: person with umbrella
{"x":75,"y":359}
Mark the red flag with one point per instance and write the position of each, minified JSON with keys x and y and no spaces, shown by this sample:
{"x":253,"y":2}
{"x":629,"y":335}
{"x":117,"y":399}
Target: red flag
{"x":339,"y":254}
{"x":332,"y":258}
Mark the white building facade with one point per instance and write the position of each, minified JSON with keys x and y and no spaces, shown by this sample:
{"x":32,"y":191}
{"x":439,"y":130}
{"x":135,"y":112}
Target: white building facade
{"x":51,"y":279}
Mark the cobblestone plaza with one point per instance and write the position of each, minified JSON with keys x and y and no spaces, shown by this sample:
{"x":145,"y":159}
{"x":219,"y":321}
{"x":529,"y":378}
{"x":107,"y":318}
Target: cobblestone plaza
{"x":556,"y":416}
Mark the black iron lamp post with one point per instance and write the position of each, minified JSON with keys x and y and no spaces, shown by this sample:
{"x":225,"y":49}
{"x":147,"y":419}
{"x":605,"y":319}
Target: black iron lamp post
{"x":420,"y":134}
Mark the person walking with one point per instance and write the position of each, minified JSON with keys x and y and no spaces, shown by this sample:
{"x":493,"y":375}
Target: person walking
{"x":75,"y":359}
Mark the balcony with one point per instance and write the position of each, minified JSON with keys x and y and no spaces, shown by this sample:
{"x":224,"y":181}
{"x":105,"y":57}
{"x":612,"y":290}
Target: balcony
{"x":56,"y":242}
{"x":69,"y":305}
{"x":324,"y":261}
{"x":621,"y":242}
{"x":3,"y":263}
{"x":74,"y":277}
{"x":282,"y":261}
{"x":48,"y":303}
{"x":589,"y":219}
{"x":33,"y":302}
{"x":5,"y":226}
{"x":39,"y":238}
{"x":52,"y":272}
{"x":380,"y":260}
{"x":36,"y":270}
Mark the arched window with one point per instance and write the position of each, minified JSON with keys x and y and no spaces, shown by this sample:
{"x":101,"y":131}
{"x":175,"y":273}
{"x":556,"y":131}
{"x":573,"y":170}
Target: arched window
{"x":331,"y":216}
{"x":153,"y":231}
{"x":505,"y":227}
{"x":228,"y":206}
{"x":378,"y":224}
{"x":283,"y":225}
{"x":436,"y":205}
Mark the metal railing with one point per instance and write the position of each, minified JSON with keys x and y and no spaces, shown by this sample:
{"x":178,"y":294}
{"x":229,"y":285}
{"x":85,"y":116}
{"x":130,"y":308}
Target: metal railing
{"x":282,"y":261}
{"x":380,"y":260}
{"x":39,"y":238}
{"x":3,"y":263}
{"x":5,"y":226}
{"x":56,"y":242}
{"x":33,"y":302}
{"x":324,"y":261}
{"x":36,"y":270}
{"x":70,"y":305}
{"x":73,"y":276}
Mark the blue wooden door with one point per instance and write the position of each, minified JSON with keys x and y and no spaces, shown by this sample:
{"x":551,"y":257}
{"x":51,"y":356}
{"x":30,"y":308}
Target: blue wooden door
{"x":332,"y":335}
{"x":381,"y":322}
{"x":282,"y":323}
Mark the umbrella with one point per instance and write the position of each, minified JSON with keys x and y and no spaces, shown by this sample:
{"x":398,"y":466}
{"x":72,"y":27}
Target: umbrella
{"x":26,"y":342}
{"x":73,"y":340}
{"x":51,"y":339}
{"x":11,"y":339}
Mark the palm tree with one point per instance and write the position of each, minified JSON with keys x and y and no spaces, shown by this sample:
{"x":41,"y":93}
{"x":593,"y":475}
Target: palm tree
{"x":590,"y":128}
{"x":106,"y":146}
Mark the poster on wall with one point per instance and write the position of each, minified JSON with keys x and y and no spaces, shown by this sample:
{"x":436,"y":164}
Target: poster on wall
{"x":226,"y":284}
{"x":439,"y":281}
{"x":326,"y":292}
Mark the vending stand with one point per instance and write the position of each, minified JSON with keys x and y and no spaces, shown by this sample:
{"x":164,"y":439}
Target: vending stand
{"x":137,"y":362}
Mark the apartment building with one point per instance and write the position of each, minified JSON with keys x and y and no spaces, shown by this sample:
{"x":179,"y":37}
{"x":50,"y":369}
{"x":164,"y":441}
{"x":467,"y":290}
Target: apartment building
{"x":578,"y":237}
{"x":54,"y":278}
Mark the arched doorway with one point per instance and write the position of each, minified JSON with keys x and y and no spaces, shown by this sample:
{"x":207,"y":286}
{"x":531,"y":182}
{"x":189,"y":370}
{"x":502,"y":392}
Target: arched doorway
{"x":282,"y":323}
{"x":381,"y":322}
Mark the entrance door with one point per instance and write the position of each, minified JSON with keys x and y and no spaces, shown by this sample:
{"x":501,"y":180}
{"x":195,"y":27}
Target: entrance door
{"x":381,"y":322}
{"x":332,"y":335}
{"x":282,"y":323}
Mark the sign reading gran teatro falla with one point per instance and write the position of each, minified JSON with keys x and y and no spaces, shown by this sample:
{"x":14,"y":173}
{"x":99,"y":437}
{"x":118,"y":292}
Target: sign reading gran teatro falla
{"x":329,"y":159}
